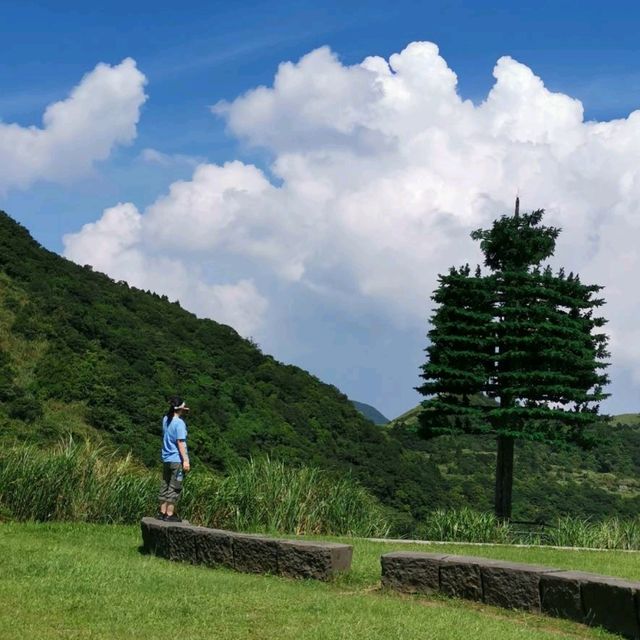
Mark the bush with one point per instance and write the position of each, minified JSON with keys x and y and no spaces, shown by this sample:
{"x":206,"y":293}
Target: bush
{"x":25,"y":408}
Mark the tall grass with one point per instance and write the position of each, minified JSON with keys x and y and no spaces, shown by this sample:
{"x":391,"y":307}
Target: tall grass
{"x":268,"y":495}
{"x":74,"y":482}
{"x":464,"y":525}
{"x":612,"y":533}
{"x":467,"y":525}
{"x":85,"y":482}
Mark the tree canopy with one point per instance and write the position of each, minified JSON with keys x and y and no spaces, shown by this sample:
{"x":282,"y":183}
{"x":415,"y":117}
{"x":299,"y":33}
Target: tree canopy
{"x":521,"y":335}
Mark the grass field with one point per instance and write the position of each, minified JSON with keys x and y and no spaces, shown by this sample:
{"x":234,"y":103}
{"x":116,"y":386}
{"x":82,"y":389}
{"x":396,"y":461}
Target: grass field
{"x":90,"y":581}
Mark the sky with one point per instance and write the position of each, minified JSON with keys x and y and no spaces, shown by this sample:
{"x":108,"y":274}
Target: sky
{"x":303,"y":171}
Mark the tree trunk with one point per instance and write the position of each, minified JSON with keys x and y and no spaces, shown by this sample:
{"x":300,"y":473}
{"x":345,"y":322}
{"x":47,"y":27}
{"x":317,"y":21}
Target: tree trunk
{"x":504,"y":478}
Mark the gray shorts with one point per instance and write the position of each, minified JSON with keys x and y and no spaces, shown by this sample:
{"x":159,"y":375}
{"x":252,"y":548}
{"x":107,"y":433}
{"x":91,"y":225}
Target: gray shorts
{"x":171,"y":487}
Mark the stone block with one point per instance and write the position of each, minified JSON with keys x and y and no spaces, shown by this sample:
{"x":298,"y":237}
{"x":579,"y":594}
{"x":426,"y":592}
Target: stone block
{"x":611,"y":603}
{"x":148,"y":537}
{"x":560,"y":595}
{"x":181,"y":543}
{"x":460,"y":579}
{"x":255,"y":554}
{"x":412,"y":572}
{"x":512,"y":585}
{"x":154,"y":537}
{"x":214,"y":547}
{"x":184,"y":542}
{"x":317,"y":560}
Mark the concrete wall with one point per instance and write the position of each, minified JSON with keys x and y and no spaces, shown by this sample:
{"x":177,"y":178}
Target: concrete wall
{"x":584,"y":597}
{"x":249,"y":553}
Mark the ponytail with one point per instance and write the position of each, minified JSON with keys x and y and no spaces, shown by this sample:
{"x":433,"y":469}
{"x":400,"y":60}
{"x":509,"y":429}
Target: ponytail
{"x":173,"y":403}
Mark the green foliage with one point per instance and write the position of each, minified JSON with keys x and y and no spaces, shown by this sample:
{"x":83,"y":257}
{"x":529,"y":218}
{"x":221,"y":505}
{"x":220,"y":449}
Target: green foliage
{"x":521,"y":335}
{"x":86,"y":483}
{"x":469,"y":525}
{"x":74,"y":482}
{"x":517,"y":242}
{"x":266,"y":495}
{"x":612,"y":533}
{"x":550,"y":481}
{"x":111,"y":354}
{"x":464,"y":525}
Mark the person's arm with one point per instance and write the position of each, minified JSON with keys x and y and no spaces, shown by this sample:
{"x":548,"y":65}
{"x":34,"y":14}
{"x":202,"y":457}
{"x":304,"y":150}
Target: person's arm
{"x":182,"y":448}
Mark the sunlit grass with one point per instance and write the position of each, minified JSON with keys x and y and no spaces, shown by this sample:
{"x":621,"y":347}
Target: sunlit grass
{"x":82,"y":581}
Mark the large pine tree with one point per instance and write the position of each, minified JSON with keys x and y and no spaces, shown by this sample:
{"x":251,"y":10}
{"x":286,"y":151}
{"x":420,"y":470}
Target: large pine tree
{"x":522,"y":336}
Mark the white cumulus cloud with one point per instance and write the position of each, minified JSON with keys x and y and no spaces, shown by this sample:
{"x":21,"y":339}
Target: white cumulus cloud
{"x":382,"y":170}
{"x":102,"y":111}
{"x":115,"y":245}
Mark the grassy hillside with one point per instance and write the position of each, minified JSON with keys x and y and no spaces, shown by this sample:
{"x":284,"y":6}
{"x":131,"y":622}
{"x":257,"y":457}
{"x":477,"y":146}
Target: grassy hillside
{"x":81,"y":353}
{"x":82,"y":581}
{"x":548,"y":481}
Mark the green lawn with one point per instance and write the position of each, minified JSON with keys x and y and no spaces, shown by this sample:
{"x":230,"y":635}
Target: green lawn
{"x":90,"y":581}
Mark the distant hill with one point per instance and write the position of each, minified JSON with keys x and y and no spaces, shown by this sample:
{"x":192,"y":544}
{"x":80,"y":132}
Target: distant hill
{"x":629,"y":419}
{"x":371,"y":413}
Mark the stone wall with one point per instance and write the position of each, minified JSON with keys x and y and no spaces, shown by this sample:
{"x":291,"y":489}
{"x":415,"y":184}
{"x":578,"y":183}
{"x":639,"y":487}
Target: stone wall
{"x":249,"y":553}
{"x":584,"y":597}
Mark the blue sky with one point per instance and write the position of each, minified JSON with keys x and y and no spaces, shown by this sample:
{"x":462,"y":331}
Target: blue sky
{"x":359,"y":336}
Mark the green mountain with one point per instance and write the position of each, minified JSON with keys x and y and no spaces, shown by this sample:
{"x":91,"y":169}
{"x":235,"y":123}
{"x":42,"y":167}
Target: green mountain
{"x":548,"y":481}
{"x":370,"y":413}
{"x":81,"y":353}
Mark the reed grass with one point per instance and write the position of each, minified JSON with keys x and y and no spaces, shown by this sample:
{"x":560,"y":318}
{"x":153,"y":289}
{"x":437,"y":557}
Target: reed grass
{"x":85,"y":482}
{"x":464,"y":525}
{"x":467,"y":525}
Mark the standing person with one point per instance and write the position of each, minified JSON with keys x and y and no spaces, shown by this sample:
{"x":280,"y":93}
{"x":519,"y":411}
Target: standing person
{"x":175,"y":459}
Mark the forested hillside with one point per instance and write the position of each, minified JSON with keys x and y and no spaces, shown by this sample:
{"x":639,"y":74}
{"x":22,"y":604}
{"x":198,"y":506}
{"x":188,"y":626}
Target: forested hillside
{"x":548,"y":481}
{"x":80,"y":353}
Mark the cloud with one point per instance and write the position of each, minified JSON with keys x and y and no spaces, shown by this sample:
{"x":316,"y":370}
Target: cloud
{"x":101,"y":112}
{"x":153,"y":156}
{"x":380,"y":170}
{"x":115,"y":245}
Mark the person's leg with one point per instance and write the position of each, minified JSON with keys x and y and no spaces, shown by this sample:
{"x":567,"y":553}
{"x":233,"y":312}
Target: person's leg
{"x":175,"y":488}
{"x":165,"y":489}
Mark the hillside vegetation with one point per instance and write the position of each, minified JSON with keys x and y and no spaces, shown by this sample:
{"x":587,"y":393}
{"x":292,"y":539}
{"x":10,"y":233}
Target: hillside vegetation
{"x":82,"y":354}
{"x":549,"y":481}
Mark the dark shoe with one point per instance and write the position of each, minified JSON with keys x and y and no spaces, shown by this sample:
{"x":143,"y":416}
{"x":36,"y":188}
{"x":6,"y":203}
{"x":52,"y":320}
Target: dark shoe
{"x":173,"y":518}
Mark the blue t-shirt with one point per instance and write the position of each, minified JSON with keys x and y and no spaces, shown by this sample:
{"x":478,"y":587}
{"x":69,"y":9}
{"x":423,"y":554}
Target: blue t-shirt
{"x":171,"y":433}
